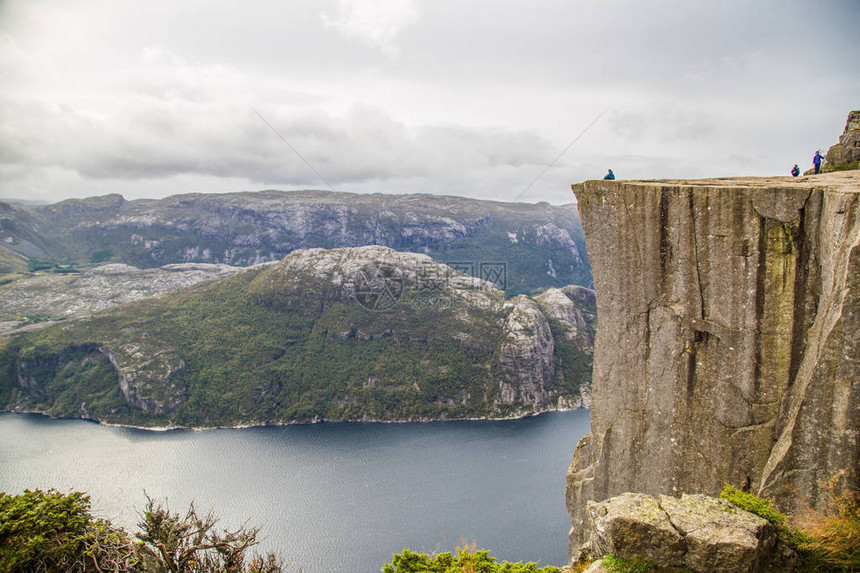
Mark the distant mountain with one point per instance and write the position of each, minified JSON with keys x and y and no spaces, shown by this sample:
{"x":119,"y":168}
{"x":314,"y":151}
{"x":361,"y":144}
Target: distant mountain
{"x":345,"y":334}
{"x":522,"y":247}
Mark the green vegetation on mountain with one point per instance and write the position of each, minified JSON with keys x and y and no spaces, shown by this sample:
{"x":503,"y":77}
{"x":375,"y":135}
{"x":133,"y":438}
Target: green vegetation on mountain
{"x":288,"y":343}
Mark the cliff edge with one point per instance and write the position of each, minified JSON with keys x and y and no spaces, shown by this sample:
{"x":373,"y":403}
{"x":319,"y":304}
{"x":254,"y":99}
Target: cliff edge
{"x":729,"y":342}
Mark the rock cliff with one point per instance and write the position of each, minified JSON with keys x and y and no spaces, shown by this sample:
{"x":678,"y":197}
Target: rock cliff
{"x":729,"y":341}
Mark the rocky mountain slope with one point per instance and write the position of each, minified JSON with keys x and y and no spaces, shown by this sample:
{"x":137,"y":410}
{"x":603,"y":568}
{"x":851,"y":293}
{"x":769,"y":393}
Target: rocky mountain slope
{"x":729,"y":340}
{"x":539,"y":245}
{"x":32,"y":301}
{"x":342,"y":334}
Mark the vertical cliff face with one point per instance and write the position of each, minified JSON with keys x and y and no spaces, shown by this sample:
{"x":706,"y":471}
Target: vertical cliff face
{"x":729,"y":342}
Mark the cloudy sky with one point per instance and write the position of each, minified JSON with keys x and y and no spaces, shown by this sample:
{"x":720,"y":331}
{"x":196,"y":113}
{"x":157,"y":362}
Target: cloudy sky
{"x":150,"y":98}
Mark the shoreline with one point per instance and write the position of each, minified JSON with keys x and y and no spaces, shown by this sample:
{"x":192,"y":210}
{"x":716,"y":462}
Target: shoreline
{"x":291,"y":423}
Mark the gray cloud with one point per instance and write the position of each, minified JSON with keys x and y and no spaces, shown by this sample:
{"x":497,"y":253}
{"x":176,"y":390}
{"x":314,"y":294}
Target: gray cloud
{"x":475,"y":98}
{"x":160,"y":139}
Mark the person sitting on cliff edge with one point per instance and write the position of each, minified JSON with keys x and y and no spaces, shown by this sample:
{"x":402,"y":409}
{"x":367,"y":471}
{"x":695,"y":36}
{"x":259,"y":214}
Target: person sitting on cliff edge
{"x":611,"y":175}
{"x":795,"y":171}
{"x":816,"y":161}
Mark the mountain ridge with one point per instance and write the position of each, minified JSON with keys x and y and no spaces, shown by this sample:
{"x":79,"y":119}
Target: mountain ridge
{"x":541,"y":244}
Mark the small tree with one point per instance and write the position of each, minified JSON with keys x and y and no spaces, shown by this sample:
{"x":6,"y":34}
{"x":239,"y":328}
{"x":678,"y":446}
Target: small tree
{"x":174,"y":544}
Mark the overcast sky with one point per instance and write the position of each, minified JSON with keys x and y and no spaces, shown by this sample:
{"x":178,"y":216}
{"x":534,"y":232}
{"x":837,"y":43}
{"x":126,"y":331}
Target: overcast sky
{"x":150,"y":98}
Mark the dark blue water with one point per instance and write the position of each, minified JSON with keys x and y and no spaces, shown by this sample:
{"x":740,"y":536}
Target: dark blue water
{"x":329,"y":497}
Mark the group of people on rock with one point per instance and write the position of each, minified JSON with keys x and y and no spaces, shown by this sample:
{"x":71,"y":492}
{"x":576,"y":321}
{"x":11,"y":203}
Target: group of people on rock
{"x":816,"y":163}
{"x":795,"y":171}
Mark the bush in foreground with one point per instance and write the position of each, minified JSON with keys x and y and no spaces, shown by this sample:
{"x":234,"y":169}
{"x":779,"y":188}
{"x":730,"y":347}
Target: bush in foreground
{"x":51,"y":531}
{"x":467,"y":560}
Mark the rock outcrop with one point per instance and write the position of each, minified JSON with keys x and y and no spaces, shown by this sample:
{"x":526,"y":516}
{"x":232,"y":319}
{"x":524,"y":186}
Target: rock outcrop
{"x":845,"y":155}
{"x":699,"y":532}
{"x":729,"y":340}
{"x":526,"y":355}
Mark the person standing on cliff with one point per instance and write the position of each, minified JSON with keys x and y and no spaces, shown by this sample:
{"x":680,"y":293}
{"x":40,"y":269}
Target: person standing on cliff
{"x":816,"y":161}
{"x":611,"y":175}
{"x":795,"y":171}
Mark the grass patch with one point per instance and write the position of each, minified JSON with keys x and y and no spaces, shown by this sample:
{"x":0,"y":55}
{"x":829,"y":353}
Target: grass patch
{"x":827,"y":541}
{"x":616,"y":564}
{"x":761,"y":507}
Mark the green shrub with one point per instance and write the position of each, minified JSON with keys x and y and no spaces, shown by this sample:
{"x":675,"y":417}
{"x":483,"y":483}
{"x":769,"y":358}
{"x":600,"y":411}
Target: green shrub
{"x":34,"y":265}
{"x":101,"y":256}
{"x":467,"y":560}
{"x":51,"y":531}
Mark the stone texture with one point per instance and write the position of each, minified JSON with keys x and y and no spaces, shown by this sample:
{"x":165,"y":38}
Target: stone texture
{"x":719,"y":536}
{"x":696,"y":531}
{"x":634,"y":525}
{"x":729,"y":341}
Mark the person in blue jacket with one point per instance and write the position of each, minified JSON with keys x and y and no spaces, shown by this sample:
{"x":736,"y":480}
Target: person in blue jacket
{"x":609,"y":175}
{"x":816,"y":161}
{"x":795,"y":171}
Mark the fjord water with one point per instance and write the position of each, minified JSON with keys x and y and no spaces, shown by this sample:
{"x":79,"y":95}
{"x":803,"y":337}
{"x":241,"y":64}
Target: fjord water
{"x":331,"y":497}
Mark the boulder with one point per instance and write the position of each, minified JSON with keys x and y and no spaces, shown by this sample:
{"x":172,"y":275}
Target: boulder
{"x":719,"y":536}
{"x":699,"y":532}
{"x":634,"y":525}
